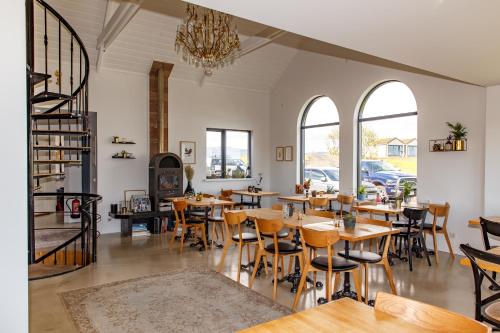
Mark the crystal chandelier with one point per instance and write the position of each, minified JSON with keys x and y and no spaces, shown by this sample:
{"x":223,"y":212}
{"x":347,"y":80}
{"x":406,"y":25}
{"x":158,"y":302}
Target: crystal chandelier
{"x":207,"y":38}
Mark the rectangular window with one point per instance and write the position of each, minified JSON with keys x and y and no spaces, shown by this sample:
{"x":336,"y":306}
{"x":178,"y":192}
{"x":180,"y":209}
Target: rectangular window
{"x":395,"y":150}
{"x":228,"y":153}
{"x":412,"y":151}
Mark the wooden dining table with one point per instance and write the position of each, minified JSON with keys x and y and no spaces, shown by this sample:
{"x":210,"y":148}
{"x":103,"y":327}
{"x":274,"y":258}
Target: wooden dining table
{"x":476,"y":222}
{"x":340,"y":316}
{"x":358,"y":233}
{"x":302,"y":199}
{"x":253,"y":196}
{"x":206,"y":204}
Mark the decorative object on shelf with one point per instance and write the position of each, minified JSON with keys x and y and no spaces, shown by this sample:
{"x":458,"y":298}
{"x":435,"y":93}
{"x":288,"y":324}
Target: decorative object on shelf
{"x":280,"y":153}
{"x":188,"y":152}
{"x":448,"y":145}
{"x":124,"y":154}
{"x":189,"y":170}
{"x":361,"y":193}
{"x":140,"y":203}
{"x":437,"y":147}
{"x":288,"y":153}
{"x":307,"y":186}
{"x":207,"y":38}
{"x":123,"y":141}
{"x":459,"y":133}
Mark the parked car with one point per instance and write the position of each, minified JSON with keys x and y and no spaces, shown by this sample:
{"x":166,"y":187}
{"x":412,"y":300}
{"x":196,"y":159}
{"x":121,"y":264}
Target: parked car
{"x":387,"y":177}
{"x":324,"y":177}
{"x":231,"y":165}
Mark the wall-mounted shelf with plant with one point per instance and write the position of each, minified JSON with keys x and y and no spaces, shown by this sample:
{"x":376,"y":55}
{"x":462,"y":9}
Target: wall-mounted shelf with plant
{"x":124,"y":155}
{"x":122,"y":141}
{"x":456,"y":141}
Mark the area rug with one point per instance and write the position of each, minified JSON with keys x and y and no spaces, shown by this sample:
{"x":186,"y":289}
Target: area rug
{"x":179,"y":301}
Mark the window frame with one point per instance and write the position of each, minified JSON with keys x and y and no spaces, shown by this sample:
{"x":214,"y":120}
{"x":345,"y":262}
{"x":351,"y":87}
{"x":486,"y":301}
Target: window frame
{"x":303,"y":129}
{"x":361,"y":120}
{"x":223,"y":132}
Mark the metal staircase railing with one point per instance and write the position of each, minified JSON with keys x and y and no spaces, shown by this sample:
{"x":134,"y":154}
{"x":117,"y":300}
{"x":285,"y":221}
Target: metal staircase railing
{"x":57,"y":79}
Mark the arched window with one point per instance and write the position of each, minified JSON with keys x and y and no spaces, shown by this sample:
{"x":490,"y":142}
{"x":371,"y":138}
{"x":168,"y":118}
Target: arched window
{"x":387,"y":139}
{"x":320,"y":149}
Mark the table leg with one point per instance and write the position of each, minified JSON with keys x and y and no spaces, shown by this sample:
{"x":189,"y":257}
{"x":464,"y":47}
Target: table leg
{"x":304,"y":207}
{"x":330,"y":207}
{"x":258,"y":201}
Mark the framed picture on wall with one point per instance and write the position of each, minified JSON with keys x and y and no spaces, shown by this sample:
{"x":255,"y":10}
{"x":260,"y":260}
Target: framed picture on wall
{"x":280,"y":153}
{"x":288,"y":153}
{"x":188,"y":152}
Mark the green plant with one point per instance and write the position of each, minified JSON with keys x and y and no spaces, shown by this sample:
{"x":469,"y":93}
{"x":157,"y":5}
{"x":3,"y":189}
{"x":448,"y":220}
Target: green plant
{"x":237,"y":173}
{"x":189,"y":170}
{"x":361,"y":190}
{"x":458,"y":130}
{"x":407,"y":188}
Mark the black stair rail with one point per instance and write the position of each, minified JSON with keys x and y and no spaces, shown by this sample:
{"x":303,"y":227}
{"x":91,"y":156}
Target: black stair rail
{"x":84,"y":240}
{"x":58,"y":131}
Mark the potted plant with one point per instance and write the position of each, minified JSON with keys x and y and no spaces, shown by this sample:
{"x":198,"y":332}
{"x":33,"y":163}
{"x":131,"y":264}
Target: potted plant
{"x":449,"y":144}
{"x":459,"y":133}
{"x":307,"y":186}
{"x":349,"y":221}
{"x":361,"y":193}
{"x":407,"y":188}
{"x":189,"y":170}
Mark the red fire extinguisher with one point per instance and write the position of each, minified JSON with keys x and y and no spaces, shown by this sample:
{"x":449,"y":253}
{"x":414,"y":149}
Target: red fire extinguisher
{"x":75,"y":208}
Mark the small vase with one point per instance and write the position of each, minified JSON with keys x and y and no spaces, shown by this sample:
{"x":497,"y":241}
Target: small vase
{"x":307,"y":193}
{"x":361,"y":197}
{"x":459,"y":145}
{"x":189,"y":188}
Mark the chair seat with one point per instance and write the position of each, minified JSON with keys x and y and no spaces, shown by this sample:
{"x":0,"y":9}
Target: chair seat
{"x":283,"y":233}
{"x":246,"y":237}
{"x":338,"y":264}
{"x":284,"y":248}
{"x":363,"y":256}
{"x":198,"y":213}
{"x":428,"y":226}
{"x":216,"y":219}
{"x":194,"y":222}
{"x":492,"y":312}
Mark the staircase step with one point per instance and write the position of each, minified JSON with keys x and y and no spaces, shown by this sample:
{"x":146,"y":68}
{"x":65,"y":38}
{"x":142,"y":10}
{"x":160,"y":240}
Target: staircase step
{"x":57,"y":161}
{"x":50,"y":174}
{"x":54,"y":115}
{"x":41,"y":271}
{"x":40,"y":147}
{"x":38,"y":77}
{"x":46,"y":96}
{"x":58,"y":132}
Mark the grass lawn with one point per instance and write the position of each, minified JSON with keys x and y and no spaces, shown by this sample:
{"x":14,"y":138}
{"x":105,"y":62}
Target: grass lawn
{"x":406,"y":164}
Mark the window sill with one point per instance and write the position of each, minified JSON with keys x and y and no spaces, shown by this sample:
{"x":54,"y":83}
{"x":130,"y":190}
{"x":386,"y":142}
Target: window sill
{"x":216,"y":180}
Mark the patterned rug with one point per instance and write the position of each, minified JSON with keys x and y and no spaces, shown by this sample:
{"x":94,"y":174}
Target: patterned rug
{"x":179,"y":301}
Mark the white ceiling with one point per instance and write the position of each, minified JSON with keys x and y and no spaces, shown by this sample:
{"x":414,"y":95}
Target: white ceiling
{"x":150,"y":35}
{"x":455,"y":38}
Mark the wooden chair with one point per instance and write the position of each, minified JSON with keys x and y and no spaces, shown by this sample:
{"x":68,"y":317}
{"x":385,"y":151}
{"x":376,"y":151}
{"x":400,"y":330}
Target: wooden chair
{"x":235,"y":235}
{"x":277,"y":206}
{"x":344,"y":200}
{"x":278,"y":249}
{"x":486,"y":309}
{"x":429,"y":317}
{"x":217,"y":220}
{"x":366,"y":258}
{"x":489,"y":228}
{"x":438,"y":211}
{"x":227,"y":196}
{"x":180,"y":219}
{"x":325,"y":239}
{"x":318,"y":203}
{"x":412,"y":229}
{"x":200,"y":212}
{"x":321,"y":213}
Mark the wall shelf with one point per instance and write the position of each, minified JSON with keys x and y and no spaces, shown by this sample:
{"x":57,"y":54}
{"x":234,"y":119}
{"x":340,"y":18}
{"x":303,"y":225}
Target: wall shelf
{"x":124,"y":143}
{"x":445,"y":145}
{"x":124,"y":158}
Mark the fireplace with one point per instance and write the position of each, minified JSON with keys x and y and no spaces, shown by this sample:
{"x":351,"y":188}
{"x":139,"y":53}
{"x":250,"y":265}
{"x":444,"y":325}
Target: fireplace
{"x":165,"y":178}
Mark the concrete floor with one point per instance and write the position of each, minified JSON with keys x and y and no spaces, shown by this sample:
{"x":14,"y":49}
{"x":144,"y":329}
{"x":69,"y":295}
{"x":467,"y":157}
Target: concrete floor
{"x":448,"y":284}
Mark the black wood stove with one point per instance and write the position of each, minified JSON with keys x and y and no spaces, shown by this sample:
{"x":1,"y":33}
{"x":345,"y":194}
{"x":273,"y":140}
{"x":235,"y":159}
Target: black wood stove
{"x":165,"y":178}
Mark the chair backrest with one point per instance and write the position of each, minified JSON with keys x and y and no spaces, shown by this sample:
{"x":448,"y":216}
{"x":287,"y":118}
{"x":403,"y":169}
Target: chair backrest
{"x":345,"y":199}
{"x":381,"y":223}
{"x":321,"y":213}
{"x":179,"y":208}
{"x":233,"y":220}
{"x":427,"y":316}
{"x":226,"y":193}
{"x":488,"y":227}
{"x":318,"y":202}
{"x":318,"y":238}
{"x":269,"y":226}
{"x":206,"y":195}
{"x":486,"y":259}
{"x":438,"y":210}
{"x":277,"y":206}
{"x":414,"y":215}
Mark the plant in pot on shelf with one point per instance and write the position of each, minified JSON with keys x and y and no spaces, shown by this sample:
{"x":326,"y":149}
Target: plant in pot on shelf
{"x":459,"y":133}
{"x":189,"y":170}
{"x":449,"y":144}
{"x":361,"y":193}
{"x":307,"y":186}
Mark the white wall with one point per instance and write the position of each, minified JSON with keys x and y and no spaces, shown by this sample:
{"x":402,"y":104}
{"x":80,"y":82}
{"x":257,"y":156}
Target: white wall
{"x":13,"y":203}
{"x":453,"y":177}
{"x":492,"y":152}
{"x":193,"y":109}
{"x":121,"y":101}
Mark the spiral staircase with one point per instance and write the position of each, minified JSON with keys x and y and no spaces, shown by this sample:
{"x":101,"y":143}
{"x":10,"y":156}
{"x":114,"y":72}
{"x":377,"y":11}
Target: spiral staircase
{"x":59,"y":139}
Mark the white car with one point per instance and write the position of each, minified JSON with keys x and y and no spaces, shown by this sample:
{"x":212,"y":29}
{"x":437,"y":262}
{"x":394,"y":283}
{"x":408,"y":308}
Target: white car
{"x":324,"y":178}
